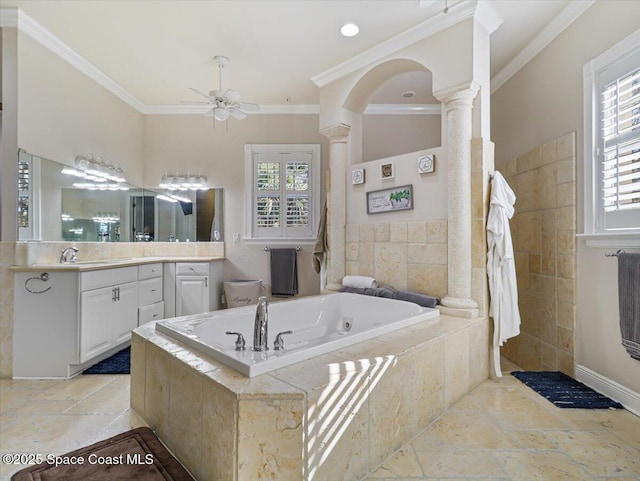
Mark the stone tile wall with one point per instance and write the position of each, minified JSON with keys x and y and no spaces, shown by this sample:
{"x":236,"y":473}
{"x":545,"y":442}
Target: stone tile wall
{"x":405,"y":255}
{"x":543,"y":230}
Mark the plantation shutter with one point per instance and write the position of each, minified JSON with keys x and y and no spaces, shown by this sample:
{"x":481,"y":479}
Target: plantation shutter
{"x":282,"y":194}
{"x":619,"y":146}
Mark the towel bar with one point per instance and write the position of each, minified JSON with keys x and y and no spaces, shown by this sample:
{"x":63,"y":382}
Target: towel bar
{"x":298,"y":249}
{"x":615,"y":254}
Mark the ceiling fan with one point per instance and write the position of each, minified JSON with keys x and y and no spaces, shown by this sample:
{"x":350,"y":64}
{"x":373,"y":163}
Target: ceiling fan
{"x":224,"y":103}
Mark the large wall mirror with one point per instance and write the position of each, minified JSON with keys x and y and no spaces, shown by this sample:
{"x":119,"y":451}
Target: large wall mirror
{"x":52,"y":208}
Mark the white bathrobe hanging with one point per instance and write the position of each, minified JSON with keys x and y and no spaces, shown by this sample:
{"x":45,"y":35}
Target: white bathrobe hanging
{"x":501,"y":267}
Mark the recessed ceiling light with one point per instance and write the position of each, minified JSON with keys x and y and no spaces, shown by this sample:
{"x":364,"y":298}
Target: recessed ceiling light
{"x":408,"y":94}
{"x":349,"y":30}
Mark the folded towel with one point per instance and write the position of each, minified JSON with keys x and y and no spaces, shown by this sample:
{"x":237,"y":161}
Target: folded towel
{"x":359,"y":281}
{"x":417,"y":298}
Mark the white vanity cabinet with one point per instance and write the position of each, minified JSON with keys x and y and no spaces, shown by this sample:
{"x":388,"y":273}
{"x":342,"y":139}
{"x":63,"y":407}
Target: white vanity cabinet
{"x":150,"y":293}
{"x":68,"y":317}
{"x":108,"y":309}
{"x":192,"y":287}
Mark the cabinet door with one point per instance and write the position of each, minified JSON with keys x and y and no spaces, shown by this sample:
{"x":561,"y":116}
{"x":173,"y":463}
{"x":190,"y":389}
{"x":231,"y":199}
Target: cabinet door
{"x":192,"y":295}
{"x":96,"y":307}
{"x":125,"y":317}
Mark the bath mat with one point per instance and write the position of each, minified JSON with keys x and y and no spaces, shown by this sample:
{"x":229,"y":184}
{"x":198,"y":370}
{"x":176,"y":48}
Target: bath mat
{"x":135,"y":454}
{"x":119,"y":363}
{"x":564,"y":391}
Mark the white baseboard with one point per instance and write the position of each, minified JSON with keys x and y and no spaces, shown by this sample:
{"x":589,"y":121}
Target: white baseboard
{"x":625,"y":396}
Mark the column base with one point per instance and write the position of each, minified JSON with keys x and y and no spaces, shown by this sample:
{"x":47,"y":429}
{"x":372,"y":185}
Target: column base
{"x":459,"y":302}
{"x":462,"y":313}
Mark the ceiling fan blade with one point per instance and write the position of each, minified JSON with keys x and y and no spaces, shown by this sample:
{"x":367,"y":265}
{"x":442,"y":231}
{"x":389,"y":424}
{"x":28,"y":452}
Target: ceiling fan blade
{"x":209,"y":113}
{"x":231,"y":96}
{"x":194,"y":103}
{"x":238,"y":114}
{"x":248,"y":106}
{"x":199,"y":92}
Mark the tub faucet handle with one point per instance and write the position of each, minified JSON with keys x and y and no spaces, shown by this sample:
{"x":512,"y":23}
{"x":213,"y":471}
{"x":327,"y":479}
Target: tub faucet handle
{"x":278,"y":344}
{"x":239,"y":340}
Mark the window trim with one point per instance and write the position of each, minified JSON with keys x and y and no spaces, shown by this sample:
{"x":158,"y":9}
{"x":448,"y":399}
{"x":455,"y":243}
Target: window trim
{"x":591,"y":233}
{"x":315,"y":194}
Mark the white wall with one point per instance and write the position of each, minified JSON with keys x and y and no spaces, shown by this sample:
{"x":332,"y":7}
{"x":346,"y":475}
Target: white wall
{"x":544,"y":101}
{"x":389,"y":135}
{"x":191,"y":143}
{"x":63,"y":113}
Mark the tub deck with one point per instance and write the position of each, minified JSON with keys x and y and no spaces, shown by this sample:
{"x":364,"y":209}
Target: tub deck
{"x":336,"y":416}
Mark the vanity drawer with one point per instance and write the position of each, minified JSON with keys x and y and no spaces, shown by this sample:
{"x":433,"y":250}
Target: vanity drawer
{"x":148,"y":271}
{"x":149,"y":291}
{"x":192,"y":269}
{"x":154,"y":312}
{"x":107,"y":277}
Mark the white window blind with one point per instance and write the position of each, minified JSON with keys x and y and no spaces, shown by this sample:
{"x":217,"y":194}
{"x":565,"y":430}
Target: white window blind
{"x":284,"y":186}
{"x":618,"y":171}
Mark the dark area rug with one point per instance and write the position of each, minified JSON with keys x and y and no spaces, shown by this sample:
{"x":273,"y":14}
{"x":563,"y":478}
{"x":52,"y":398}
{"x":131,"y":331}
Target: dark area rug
{"x":135,"y":455}
{"x":564,"y":391}
{"x":119,"y":363}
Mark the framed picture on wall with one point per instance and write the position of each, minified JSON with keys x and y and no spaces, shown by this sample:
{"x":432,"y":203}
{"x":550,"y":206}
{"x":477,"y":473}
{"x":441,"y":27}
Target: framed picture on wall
{"x":357,"y":176}
{"x":426,"y":164}
{"x":390,"y":200}
{"x":386,"y":171}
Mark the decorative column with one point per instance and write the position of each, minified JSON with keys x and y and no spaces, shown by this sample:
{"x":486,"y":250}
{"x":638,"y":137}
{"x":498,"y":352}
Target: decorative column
{"x":337,"y":202}
{"x":458,"y":103}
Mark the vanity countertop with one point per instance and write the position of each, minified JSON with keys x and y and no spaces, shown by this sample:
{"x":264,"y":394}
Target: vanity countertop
{"x":96,"y":265}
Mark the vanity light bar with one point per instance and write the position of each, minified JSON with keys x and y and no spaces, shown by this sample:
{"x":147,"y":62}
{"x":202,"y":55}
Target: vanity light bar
{"x":91,"y":186}
{"x":183,"y":182}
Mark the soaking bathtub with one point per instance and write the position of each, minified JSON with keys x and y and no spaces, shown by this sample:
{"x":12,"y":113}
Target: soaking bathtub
{"x":320,"y":324}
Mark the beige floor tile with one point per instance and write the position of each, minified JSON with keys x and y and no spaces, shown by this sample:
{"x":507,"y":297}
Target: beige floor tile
{"x":77,"y":388}
{"x":52,"y":433}
{"x":450,"y":463}
{"x":620,"y":422}
{"x":600,"y":452}
{"x":463,"y":429}
{"x":108,"y":400}
{"x":403,"y":464}
{"x":124,"y":422}
{"x":528,"y":465}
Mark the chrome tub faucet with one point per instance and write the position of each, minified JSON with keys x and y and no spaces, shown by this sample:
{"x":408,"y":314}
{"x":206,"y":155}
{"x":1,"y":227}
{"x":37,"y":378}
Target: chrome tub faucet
{"x":74,"y":255}
{"x":261,"y":325}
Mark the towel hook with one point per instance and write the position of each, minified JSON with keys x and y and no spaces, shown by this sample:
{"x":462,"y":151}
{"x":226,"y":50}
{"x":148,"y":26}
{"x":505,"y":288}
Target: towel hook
{"x":44,"y":277}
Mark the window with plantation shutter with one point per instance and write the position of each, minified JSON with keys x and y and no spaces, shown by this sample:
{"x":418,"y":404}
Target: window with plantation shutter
{"x":284,"y":182}
{"x":619,"y":149}
{"x":612,"y":146}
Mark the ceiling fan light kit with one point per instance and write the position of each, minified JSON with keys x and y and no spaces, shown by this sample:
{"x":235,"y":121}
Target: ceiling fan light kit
{"x":225,"y":103}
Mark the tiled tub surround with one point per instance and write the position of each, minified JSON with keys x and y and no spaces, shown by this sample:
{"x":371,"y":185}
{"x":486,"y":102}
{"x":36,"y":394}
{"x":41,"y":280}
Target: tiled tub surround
{"x":333,"y":417}
{"x":543,"y":230}
{"x":26,"y":253}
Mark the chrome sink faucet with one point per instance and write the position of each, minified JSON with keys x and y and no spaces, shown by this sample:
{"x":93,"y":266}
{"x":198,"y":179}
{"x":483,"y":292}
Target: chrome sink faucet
{"x":261,"y":325}
{"x":74,"y":255}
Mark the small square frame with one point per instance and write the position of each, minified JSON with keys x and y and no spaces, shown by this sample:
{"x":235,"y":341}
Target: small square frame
{"x":426,"y":164}
{"x":387,"y":171}
{"x":357,"y":176}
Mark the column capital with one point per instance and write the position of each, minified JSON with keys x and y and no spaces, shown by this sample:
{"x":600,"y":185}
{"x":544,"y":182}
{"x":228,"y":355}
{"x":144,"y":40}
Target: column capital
{"x":464,"y":92}
{"x":336,"y":133}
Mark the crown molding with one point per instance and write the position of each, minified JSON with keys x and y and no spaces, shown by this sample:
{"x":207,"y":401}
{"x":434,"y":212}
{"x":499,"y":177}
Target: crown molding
{"x":302,"y":109}
{"x":403,"y":109}
{"x":37,"y":32}
{"x":565,"y":18}
{"x":437,"y":23}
